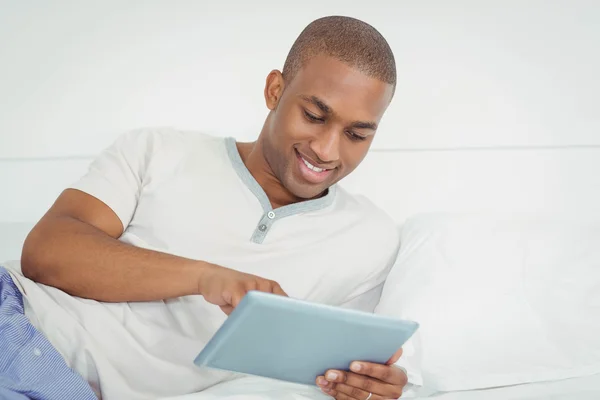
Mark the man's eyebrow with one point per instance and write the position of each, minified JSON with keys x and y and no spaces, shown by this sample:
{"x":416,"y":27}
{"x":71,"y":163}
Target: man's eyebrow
{"x":364,"y":125}
{"x":318,"y":102}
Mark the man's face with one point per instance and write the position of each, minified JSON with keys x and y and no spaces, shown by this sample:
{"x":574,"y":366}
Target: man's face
{"x":322,"y":126}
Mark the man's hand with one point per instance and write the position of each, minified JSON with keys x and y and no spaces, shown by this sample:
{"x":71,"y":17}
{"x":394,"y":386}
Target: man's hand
{"x":366,"y":379}
{"x":226,"y":287}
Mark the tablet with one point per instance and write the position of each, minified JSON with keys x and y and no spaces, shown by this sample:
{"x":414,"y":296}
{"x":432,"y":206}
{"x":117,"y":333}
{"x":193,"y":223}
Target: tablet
{"x":294,"y":340}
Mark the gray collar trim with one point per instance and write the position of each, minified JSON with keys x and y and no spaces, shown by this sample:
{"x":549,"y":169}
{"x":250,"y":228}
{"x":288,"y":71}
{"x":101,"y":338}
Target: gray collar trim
{"x":257,"y":190}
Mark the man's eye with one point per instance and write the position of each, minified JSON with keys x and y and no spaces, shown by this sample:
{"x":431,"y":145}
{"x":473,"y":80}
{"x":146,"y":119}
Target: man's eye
{"x":354,"y":136}
{"x":312,"y":118}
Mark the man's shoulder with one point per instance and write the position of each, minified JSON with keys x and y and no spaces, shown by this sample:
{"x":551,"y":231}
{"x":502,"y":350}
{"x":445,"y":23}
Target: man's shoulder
{"x":373,"y":219}
{"x":168,"y":147}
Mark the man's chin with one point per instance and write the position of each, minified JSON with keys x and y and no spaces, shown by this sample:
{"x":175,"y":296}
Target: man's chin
{"x":308,"y":191}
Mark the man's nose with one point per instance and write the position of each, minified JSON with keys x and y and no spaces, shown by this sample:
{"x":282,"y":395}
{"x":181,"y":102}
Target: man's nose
{"x":327,"y":146}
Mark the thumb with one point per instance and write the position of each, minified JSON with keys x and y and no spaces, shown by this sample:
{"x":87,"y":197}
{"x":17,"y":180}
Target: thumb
{"x":236,"y":297}
{"x":227,"y":297}
{"x":227,"y":309}
{"x":395,"y":357}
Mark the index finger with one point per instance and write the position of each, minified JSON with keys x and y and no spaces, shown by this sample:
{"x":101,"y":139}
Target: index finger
{"x":278,"y":290}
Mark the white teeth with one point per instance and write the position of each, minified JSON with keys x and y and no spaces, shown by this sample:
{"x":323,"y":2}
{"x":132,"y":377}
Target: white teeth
{"x":310,"y":166}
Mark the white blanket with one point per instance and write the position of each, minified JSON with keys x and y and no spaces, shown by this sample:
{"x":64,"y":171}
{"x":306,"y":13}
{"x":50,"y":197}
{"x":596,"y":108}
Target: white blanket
{"x":249,"y":388}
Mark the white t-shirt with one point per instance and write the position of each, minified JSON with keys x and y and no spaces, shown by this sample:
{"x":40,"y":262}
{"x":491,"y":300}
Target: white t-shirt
{"x":190,"y":194}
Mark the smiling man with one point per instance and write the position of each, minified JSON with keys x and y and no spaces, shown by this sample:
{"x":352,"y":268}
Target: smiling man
{"x":142,"y":259}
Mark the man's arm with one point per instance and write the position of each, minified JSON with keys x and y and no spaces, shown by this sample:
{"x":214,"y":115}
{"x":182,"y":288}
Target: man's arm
{"x":75,"y":248}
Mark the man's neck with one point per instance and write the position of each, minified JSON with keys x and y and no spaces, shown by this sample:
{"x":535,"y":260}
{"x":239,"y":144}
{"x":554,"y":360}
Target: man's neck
{"x":253,"y":158}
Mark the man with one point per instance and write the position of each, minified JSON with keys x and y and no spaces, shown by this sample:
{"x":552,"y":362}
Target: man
{"x":136,"y":265}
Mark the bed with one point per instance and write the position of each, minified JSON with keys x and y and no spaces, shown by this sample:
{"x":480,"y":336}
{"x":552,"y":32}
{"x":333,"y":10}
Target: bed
{"x":424,"y":189}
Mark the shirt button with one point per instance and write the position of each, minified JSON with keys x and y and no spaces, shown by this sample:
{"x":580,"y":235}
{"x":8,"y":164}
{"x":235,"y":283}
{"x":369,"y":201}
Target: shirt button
{"x":37,"y":352}
{"x":271,"y":215}
{"x":262,"y":228}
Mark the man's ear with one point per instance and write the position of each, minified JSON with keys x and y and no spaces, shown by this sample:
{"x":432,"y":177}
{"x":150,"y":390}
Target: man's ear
{"x":274,"y":89}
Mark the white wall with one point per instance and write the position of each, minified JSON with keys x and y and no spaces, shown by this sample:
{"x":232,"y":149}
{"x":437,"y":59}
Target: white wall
{"x":74,"y":74}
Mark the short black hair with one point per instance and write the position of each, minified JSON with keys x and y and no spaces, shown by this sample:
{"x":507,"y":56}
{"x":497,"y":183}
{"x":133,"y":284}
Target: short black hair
{"x":347,"y":39}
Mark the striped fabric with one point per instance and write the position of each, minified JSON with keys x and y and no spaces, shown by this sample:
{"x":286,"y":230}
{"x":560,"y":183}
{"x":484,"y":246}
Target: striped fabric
{"x":30,"y":368}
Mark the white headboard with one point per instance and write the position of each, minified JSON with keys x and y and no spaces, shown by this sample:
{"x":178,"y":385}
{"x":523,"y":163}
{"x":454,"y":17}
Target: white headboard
{"x":520,"y":180}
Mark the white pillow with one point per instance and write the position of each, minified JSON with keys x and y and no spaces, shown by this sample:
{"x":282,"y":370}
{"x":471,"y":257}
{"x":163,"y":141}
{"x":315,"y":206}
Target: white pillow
{"x":501,"y":299}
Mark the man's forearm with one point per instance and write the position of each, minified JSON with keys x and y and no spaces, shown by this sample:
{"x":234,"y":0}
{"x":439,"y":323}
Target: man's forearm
{"x":83,"y":261}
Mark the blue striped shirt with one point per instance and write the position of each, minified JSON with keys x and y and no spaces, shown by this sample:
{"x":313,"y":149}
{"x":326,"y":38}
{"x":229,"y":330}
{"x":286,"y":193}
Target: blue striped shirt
{"x":29,"y":366}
